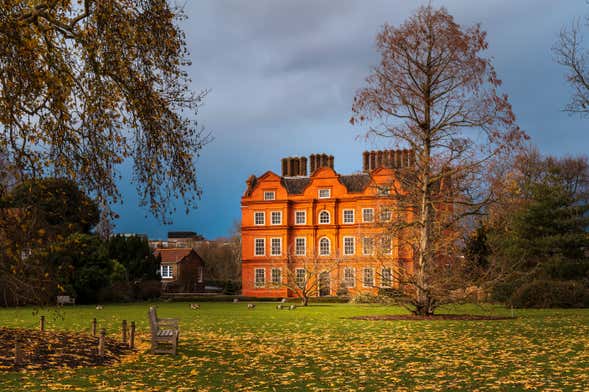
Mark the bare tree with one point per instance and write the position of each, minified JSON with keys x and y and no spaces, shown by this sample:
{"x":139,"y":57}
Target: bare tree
{"x":306,"y":276}
{"x":434,"y":93}
{"x":571,"y":53}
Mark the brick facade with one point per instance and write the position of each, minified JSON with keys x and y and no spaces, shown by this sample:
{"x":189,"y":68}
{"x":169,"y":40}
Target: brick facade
{"x":333,"y":211}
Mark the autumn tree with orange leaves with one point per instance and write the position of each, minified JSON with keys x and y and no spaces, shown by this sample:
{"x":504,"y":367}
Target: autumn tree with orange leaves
{"x":435,"y":93}
{"x":86,"y":85}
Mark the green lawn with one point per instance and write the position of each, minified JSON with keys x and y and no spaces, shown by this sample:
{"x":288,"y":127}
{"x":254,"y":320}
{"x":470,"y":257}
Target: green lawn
{"x":225,"y":346}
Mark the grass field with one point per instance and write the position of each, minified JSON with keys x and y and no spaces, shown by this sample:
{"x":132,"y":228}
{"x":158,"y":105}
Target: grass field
{"x":225,"y":346}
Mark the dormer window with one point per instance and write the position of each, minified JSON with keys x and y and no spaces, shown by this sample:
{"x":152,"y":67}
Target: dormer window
{"x":324,"y":193}
{"x":269,"y":195}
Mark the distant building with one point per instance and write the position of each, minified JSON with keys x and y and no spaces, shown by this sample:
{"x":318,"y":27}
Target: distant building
{"x":178,"y":239}
{"x":324,"y":216}
{"x":181,"y":270}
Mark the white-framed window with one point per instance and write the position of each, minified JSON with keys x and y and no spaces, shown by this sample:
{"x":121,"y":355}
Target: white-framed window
{"x":276,"y":277}
{"x":367,"y":245}
{"x":275,"y":246}
{"x":259,"y":218}
{"x":349,"y":277}
{"x":349,"y":246}
{"x":385,"y":214}
{"x":386,"y":277}
{"x":276,"y":217}
{"x":300,"y":246}
{"x":383,"y":190}
{"x":386,"y":245}
{"x":368,"y":277}
{"x":300,"y":277}
{"x":300,"y":217}
{"x":367,"y":214}
{"x":166,"y":271}
{"x":260,"y":277}
{"x":324,"y":193}
{"x":324,"y":217}
{"x":200,"y":274}
{"x":348,"y":216}
{"x":269,"y":195}
{"x":260,"y":246}
{"x":324,"y":246}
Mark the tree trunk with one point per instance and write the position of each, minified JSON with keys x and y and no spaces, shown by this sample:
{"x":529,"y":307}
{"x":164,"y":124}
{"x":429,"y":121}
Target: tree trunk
{"x":305,"y":300}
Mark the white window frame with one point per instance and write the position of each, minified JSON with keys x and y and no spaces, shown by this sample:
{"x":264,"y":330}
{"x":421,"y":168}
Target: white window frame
{"x":364,"y":276}
{"x":298,"y":281}
{"x":304,"y":222}
{"x":272,"y":215}
{"x":389,"y":239}
{"x":304,"y":252}
{"x":272,"y":240}
{"x":272,"y":280}
{"x":200,"y":277}
{"x":364,"y":250}
{"x":263,"y":215}
{"x":263,"y":275}
{"x":328,"y":217}
{"x":388,"y":212}
{"x":350,"y":283}
{"x":346,"y":253}
{"x":390,"y":278}
{"x":256,"y":246}
{"x":328,"y":196}
{"x":364,"y":211}
{"x":268,"y":197}
{"x":169,"y":274}
{"x":321,"y":240}
{"x":347,"y":222}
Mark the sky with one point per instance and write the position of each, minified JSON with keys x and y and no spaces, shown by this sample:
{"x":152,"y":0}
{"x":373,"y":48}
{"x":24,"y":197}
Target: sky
{"x":282,"y":76}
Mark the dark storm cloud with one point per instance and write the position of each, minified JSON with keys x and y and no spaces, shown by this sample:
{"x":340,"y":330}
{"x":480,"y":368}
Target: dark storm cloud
{"x":283,"y":73}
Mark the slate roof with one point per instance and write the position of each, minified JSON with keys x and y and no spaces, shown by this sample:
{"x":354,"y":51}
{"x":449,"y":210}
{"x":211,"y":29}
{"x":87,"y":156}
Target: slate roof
{"x":355,"y":182}
{"x":295,"y":185}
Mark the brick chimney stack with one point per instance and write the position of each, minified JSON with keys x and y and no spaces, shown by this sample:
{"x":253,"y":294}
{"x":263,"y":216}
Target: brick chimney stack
{"x":393,"y":159}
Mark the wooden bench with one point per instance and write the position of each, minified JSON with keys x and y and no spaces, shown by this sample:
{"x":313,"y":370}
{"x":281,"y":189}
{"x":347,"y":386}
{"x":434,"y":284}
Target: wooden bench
{"x":164,"y":333}
{"x":286,"y":307}
{"x":65,"y":299}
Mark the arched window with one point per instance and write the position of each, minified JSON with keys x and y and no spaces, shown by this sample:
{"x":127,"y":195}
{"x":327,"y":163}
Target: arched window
{"x":324,"y":217}
{"x":324,"y":246}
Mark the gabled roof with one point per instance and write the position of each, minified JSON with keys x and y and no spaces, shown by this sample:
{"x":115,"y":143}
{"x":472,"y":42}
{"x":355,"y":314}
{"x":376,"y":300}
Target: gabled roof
{"x":173,"y":255}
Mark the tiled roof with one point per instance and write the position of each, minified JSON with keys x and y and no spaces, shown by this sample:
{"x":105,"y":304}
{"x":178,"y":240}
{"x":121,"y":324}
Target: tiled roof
{"x":355,"y":182}
{"x":172,"y":255}
{"x":294,"y":185}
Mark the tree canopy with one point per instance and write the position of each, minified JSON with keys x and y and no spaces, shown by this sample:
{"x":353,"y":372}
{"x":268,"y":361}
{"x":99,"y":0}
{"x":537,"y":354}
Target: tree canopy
{"x":87,"y":85}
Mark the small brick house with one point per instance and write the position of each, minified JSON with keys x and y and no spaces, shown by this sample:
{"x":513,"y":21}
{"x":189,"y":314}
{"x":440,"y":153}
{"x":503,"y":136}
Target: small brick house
{"x":182,"y":270}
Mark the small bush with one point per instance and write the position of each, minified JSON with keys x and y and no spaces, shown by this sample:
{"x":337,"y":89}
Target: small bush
{"x":551,"y":294}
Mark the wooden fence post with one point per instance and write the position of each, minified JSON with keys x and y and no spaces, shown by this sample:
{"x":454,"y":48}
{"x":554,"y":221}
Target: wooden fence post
{"x":18,"y":356}
{"x":132,"y":337}
{"x":124,"y":332}
{"x":42,"y":323}
{"x":101,"y":342}
{"x":94,"y":327}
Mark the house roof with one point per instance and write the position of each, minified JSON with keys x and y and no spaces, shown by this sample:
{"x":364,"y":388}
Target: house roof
{"x":356,"y":182}
{"x":173,"y":255}
{"x":295,"y":185}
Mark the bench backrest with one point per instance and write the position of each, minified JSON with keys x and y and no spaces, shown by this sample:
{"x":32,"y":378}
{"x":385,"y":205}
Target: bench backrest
{"x":64,"y":299}
{"x":153,"y":325}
